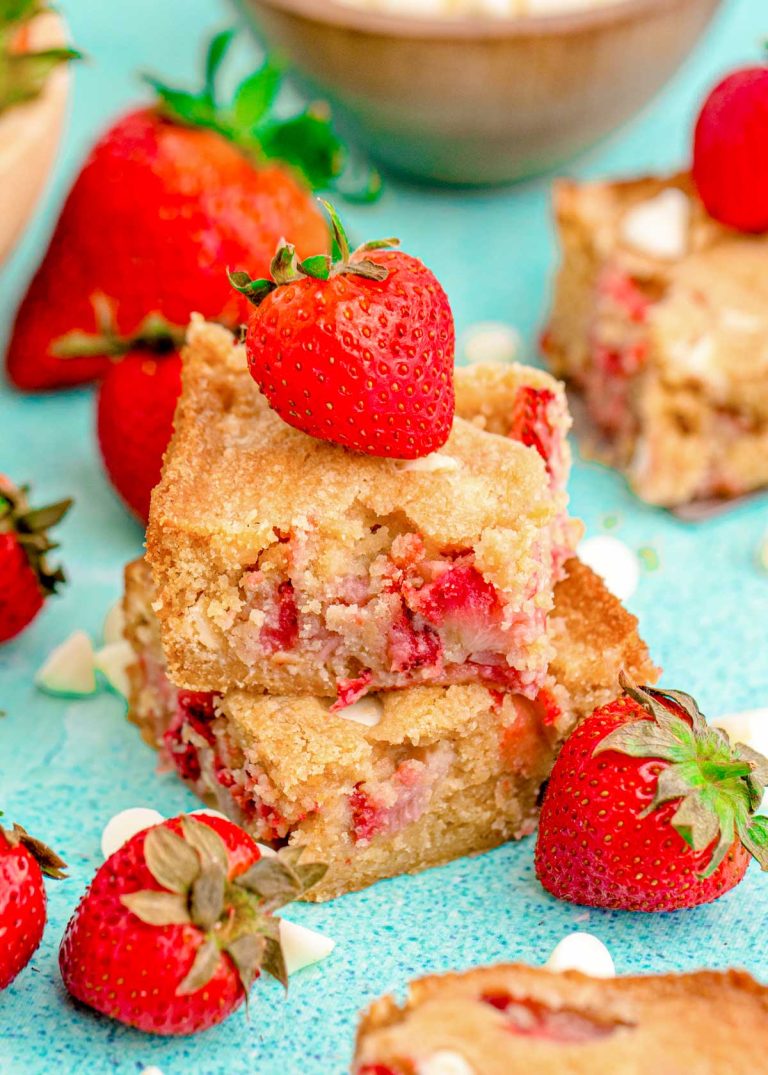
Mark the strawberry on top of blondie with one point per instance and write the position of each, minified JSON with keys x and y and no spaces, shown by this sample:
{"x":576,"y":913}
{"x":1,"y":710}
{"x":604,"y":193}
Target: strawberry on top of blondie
{"x":286,"y":564}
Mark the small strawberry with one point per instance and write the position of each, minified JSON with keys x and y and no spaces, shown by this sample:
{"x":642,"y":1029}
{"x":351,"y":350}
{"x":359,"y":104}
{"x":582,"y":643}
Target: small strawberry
{"x":134,"y":422}
{"x":26,"y":578}
{"x":170,"y":195}
{"x":356,"y":350}
{"x":649,"y":808}
{"x":730,"y":151}
{"x":178,"y":923}
{"x":23,"y":862}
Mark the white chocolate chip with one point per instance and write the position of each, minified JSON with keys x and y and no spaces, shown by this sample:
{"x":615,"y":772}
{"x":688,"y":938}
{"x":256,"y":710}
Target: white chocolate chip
{"x":368,"y":711}
{"x":151,"y":1070}
{"x":749,"y":727}
{"x":762,"y":554}
{"x":431,"y":464}
{"x":444,"y":1062}
{"x":490,"y":341}
{"x":302,"y":947}
{"x":736,"y":320}
{"x":582,"y":952}
{"x":113,"y":661}
{"x":120,"y":828}
{"x":114,"y":624}
{"x":615,"y":563}
{"x":659,"y":226}
{"x":70,"y":669}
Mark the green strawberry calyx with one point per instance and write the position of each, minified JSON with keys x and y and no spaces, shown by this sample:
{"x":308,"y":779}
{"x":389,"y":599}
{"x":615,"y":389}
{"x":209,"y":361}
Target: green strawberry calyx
{"x":23,"y":74}
{"x":306,"y":141}
{"x":49,"y":862}
{"x":154,"y":334}
{"x":234,"y":915}
{"x":719,"y":785}
{"x":287,"y":269}
{"x":30,"y":527}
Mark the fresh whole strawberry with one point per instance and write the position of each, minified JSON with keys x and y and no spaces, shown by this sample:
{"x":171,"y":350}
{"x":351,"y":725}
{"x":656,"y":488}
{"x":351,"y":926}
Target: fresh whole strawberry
{"x":23,"y":863}
{"x":730,"y":151}
{"x":649,"y":808}
{"x":26,"y":578}
{"x":357,"y":349}
{"x":170,"y":196}
{"x":178,"y":923}
{"x":134,"y":422}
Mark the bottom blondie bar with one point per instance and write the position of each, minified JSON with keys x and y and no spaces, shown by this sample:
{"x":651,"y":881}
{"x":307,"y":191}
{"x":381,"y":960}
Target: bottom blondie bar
{"x":515,"y":1020}
{"x":430,"y":774}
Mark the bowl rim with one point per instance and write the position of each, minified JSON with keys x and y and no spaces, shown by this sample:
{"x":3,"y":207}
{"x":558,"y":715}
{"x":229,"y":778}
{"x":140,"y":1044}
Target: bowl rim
{"x":339,"y":14}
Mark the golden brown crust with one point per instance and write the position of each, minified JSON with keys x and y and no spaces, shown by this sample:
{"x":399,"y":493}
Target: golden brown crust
{"x":705,"y":1023}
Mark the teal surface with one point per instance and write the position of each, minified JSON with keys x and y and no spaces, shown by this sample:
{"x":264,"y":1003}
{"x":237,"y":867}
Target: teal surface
{"x":67,"y":767}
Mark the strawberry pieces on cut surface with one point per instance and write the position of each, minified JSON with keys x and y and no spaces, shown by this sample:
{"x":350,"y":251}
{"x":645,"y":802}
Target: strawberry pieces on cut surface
{"x":178,"y":923}
{"x":357,"y":349}
{"x":649,"y":808}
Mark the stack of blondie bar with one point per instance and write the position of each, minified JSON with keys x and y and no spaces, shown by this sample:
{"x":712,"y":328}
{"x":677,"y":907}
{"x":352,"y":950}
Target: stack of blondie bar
{"x":372,"y":658}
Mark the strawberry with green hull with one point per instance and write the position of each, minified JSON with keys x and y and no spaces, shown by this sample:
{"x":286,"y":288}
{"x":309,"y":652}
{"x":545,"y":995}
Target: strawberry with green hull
{"x":26,"y":577}
{"x":24,"y":72}
{"x":649,"y":808}
{"x":170,"y":195}
{"x":187,"y":906}
{"x":24,"y":861}
{"x":356,"y":349}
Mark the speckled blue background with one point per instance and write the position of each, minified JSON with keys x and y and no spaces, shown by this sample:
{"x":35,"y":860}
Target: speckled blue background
{"x":65,"y":768}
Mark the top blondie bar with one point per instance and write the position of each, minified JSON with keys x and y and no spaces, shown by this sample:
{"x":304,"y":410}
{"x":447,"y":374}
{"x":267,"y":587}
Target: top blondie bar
{"x":289,"y":565}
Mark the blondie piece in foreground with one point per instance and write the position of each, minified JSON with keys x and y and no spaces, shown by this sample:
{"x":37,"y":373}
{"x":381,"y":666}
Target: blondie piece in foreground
{"x":519,"y":1020}
{"x":401,"y":780}
{"x":660,"y":319}
{"x":290,"y":565}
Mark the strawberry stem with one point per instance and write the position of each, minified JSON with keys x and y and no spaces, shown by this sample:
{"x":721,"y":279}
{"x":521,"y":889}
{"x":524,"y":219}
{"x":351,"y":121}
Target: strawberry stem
{"x":286,"y":269}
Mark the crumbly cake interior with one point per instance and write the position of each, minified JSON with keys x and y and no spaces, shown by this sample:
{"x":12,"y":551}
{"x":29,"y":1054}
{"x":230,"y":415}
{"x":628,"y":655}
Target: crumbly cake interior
{"x":514,"y":1020}
{"x":670,"y":353}
{"x":321,"y":571}
{"x":436,"y":773}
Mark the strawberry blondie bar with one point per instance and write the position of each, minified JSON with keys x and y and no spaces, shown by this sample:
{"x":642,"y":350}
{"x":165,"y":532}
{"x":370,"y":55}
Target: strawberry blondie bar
{"x":289,"y":565}
{"x":515,"y":1020}
{"x":401,"y":780}
{"x":660,"y":320}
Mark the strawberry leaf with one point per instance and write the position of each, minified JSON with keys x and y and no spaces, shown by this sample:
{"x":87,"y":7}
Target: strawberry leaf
{"x":206,"y":841}
{"x":217,"y":50}
{"x":247,"y":952}
{"x":157,"y":908}
{"x":255,"y":96}
{"x":173,"y":863}
{"x":203,"y":968}
{"x":207,"y":901}
{"x":755,"y":839}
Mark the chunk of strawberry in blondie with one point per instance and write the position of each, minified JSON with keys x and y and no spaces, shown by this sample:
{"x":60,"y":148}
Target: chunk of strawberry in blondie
{"x":289,"y":565}
{"x":660,"y":321}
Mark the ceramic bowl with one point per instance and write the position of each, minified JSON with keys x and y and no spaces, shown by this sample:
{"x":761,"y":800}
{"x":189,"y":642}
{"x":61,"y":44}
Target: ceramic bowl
{"x":29,"y":138}
{"x":481,"y":100}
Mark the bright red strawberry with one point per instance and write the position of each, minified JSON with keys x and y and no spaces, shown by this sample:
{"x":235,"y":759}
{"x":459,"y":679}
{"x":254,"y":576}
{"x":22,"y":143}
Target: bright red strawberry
{"x":23,"y":862}
{"x":134,"y":422}
{"x":178,"y":923}
{"x":357,"y":350}
{"x":531,"y":423}
{"x":26,"y":578}
{"x":730,"y":151}
{"x":649,"y":808}
{"x":169,"y":197}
